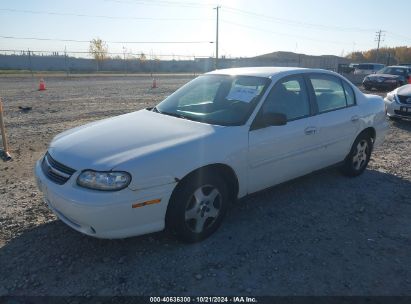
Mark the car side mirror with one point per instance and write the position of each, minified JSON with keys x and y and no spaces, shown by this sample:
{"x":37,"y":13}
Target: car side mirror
{"x":274,"y":119}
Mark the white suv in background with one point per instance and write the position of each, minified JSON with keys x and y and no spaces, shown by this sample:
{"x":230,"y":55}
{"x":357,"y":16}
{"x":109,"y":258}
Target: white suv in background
{"x":368,"y":68}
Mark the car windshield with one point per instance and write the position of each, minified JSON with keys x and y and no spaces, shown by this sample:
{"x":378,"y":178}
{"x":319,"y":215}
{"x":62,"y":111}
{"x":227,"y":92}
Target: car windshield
{"x":216,"y":99}
{"x":392,"y":71}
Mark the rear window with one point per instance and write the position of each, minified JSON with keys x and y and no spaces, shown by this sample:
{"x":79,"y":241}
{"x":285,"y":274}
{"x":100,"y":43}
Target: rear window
{"x":329,"y":92}
{"x":370,"y":66}
{"x":364,"y":67}
{"x":349,"y":94}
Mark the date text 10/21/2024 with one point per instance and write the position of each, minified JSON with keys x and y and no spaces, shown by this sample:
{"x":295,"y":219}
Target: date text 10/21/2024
{"x":203,"y":299}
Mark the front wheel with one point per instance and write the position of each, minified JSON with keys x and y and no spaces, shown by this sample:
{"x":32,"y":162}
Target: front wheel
{"x":359,"y":156}
{"x":197,"y":208}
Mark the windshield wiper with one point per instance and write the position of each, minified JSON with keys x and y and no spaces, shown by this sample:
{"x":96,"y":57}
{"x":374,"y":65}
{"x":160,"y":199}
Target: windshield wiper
{"x":176,"y":115}
{"x":155,"y":109}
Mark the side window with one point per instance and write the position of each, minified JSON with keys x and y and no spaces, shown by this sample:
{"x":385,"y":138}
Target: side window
{"x":289,"y":97}
{"x":329,"y":92}
{"x":349,"y":94}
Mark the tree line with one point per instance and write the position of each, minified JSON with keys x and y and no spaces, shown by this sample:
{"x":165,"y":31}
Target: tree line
{"x":386,"y":55}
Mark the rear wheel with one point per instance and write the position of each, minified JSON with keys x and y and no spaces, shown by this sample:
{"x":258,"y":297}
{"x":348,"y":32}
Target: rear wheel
{"x":198,"y":207}
{"x":359,"y":156}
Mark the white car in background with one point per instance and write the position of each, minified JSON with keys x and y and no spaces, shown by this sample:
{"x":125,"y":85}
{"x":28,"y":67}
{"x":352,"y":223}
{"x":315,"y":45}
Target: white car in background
{"x":220,"y":137}
{"x":368,"y":68}
{"x":398,"y":102}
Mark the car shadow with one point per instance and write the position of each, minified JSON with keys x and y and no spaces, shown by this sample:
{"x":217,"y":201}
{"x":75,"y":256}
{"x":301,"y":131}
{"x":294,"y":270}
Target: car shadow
{"x":322,"y":234}
{"x":403,"y":124}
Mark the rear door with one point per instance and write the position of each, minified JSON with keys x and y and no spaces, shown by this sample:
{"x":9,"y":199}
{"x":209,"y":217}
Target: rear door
{"x":337,"y":119}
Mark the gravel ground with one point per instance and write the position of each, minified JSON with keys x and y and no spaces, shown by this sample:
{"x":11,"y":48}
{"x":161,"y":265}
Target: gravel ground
{"x":322,"y":234}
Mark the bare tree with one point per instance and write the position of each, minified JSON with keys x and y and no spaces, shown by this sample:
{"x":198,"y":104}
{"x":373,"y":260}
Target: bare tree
{"x":98,"y":49}
{"x":142,"y":57}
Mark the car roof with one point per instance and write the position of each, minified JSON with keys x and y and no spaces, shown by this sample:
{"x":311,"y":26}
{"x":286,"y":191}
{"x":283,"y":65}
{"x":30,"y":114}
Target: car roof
{"x":397,"y":66}
{"x":267,"y":72}
{"x":370,"y":63}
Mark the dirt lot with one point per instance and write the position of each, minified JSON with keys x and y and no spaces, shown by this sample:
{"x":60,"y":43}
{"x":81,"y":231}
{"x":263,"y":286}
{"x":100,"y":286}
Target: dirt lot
{"x":323,"y":234}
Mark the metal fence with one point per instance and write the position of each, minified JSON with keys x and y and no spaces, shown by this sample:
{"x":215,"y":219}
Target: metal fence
{"x":81,"y":62}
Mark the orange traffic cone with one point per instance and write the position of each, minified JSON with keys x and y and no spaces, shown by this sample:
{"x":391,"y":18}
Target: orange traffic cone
{"x":42,"y":85}
{"x":154,"y":85}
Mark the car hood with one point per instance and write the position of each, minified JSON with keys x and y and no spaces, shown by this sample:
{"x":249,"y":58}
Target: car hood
{"x":104,"y":144}
{"x":387,"y":76}
{"x":404,"y":90}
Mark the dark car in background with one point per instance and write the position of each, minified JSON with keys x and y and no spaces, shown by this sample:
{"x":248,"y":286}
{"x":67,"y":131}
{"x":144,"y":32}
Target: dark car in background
{"x":388,"y":78}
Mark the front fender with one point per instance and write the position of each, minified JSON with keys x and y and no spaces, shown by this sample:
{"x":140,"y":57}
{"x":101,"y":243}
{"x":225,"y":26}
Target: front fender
{"x":169,"y":165}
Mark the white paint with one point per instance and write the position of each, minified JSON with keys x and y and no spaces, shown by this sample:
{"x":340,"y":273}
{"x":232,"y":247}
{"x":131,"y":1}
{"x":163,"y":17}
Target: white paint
{"x":394,"y":103}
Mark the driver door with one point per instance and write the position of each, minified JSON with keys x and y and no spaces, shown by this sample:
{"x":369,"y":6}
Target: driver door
{"x":280,"y":153}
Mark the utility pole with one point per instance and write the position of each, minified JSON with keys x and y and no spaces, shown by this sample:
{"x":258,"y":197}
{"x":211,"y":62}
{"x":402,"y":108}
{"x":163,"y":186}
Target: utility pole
{"x":378,"y":38}
{"x":30,"y":66}
{"x":388,"y":59}
{"x":65,"y":61}
{"x":216,"y":39}
{"x":151,"y":62}
{"x":125,"y":61}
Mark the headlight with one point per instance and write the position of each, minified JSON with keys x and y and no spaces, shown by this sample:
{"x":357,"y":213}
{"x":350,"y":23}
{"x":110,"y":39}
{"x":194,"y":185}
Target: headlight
{"x":106,"y":181}
{"x":391,"y":97}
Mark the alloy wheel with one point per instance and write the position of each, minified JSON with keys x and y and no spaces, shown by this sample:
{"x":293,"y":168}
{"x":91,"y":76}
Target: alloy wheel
{"x":359,"y":159}
{"x":203,"y":208}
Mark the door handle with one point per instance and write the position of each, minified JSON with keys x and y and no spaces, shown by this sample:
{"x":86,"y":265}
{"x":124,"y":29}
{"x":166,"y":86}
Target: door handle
{"x":355,"y":118}
{"x":310,"y":130}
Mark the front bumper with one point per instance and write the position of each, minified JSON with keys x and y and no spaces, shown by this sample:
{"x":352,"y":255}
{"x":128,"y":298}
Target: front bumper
{"x":380,"y":85}
{"x":396,"y":109}
{"x":104,"y":214}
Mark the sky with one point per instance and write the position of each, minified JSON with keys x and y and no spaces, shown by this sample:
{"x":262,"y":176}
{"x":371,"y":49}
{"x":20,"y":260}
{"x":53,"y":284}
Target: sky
{"x":246,"y":28}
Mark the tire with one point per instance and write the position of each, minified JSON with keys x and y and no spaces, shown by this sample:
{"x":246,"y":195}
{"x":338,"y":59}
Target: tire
{"x":357,"y":160}
{"x":197,"y":207}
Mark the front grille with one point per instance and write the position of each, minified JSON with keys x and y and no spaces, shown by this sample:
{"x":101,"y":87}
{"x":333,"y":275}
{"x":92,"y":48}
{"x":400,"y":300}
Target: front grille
{"x":403,"y":99}
{"x":402,"y":113}
{"x":55,"y":171}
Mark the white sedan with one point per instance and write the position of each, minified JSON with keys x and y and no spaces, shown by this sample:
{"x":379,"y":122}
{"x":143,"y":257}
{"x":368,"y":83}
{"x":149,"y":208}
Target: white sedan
{"x":398,"y":102}
{"x":222,"y":136}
